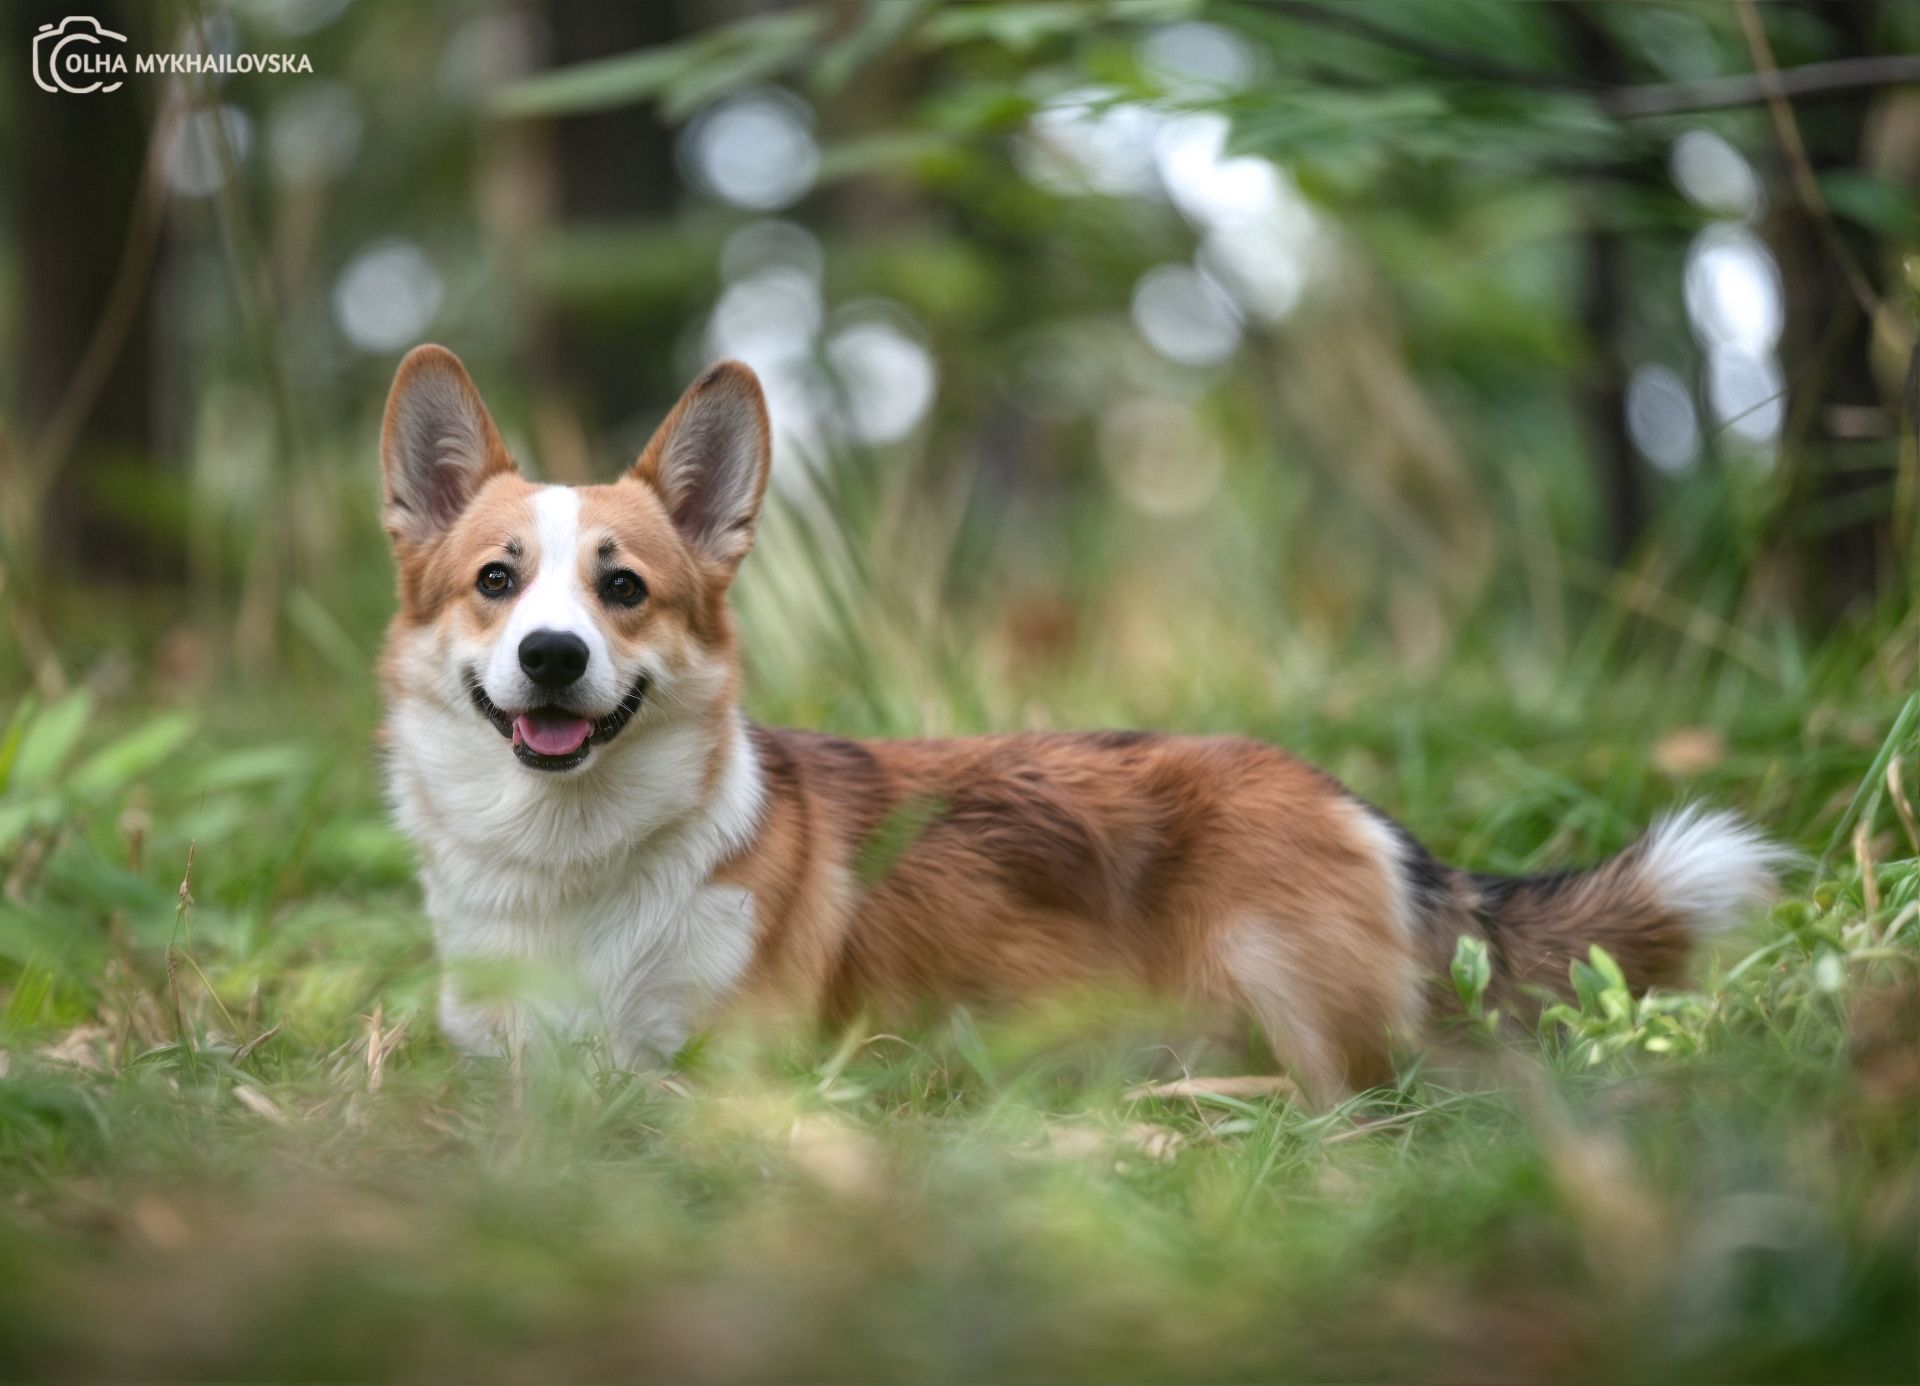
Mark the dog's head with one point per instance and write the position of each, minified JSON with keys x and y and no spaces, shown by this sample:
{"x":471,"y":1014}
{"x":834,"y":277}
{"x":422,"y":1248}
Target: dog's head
{"x":557,"y":615}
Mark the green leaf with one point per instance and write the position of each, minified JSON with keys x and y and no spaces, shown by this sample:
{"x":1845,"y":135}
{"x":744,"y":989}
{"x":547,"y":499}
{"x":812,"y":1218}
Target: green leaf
{"x":1560,"y":1014}
{"x":252,"y":765}
{"x":83,"y":876}
{"x":893,"y":836}
{"x":49,"y":740}
{"x":595,"y":86}
{"x":884,"y":24}
{"x":18,"y":815}
{"x":1866,"y":799}
{"x":1018,"y":27}
{"x":1588,"y":986}
{"x":894,"y":152}
{"x":1301,"y":118}
{"x":325,"y":633}
{"x":131,"y":756}
{"x":971,"y":1048}
{"x":1878,"y":204}
{"x":1604,"y":964}
{"x":1472,"y":970}
{"x":10,"y":739}
{"x":681,"y":77}
{"x":32,"y":992}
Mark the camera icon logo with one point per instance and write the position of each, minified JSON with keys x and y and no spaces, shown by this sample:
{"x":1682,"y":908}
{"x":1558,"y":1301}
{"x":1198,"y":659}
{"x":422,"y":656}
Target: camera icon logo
{"x":74,"y":56}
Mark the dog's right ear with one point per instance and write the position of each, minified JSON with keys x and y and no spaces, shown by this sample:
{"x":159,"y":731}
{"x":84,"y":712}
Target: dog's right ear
{"x":709,"y":463}
{"x":438,"y":445}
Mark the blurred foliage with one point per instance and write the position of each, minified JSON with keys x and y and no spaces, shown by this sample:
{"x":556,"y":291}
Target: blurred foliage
{"x":1397,"y":456}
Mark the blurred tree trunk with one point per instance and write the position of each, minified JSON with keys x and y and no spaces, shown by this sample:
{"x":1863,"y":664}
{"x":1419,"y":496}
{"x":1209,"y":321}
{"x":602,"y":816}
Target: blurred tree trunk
{"x":1603,"y":388}
{"x":1835,"y":453}
{"x":1604,"y":292}
{"x":77,"y":174}
{"x":612,"y":166}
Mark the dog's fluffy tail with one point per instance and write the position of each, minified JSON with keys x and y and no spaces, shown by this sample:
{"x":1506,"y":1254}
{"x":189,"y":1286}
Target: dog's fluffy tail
{"x":1694,"y":871}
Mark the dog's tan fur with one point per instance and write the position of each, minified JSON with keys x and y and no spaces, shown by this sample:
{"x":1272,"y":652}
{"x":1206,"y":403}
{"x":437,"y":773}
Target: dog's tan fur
{"x":883,"y":875}
{"x":1219,"y":872}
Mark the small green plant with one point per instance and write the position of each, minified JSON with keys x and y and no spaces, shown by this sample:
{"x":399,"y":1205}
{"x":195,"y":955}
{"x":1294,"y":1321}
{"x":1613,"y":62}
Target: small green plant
{"x":1605,"y":1019}
{"x":43,"y":783}
{"x":1472,"y":972}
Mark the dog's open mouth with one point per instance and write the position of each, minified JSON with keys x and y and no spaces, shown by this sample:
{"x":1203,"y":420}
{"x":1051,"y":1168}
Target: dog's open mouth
{"x":555,"y":738}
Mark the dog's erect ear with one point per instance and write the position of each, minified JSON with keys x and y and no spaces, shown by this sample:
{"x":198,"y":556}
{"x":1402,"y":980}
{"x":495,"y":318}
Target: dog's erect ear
{"x":709,"y":462}
{"x":437,"y":445}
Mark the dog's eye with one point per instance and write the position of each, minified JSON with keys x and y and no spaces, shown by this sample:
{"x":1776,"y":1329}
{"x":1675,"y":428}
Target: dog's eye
{"x":623,"y":588}
{"x":495,"y":580}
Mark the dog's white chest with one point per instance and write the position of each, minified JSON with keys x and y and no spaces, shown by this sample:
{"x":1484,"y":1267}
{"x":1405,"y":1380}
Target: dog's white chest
{"x":578,"y":938}
{"x":641,"y":961}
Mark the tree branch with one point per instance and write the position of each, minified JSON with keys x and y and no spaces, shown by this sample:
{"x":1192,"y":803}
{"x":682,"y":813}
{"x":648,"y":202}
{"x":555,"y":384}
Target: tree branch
{"x":1753,"y":88}
{"x":1622,"y":102}
{"x":1805,"y":181}
{"x":1456,"y":61}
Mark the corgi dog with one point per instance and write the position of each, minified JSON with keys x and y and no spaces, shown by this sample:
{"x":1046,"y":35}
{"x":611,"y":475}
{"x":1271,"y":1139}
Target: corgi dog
{"x":566,"y":750}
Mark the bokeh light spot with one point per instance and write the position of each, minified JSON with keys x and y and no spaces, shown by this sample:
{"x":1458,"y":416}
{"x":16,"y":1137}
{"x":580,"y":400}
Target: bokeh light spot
{"x":772,"y":244}
{"x":315,"y":132}
{"x":1193,"y":60}
{"x":885,"y":373}
{"x":197,"y":161}
{"x":1185,"y":316}
{"x":1712,"y":175}
{"x":1747,"y":394}
{"x":1733,"y":290}
{"x":386,"y":296}
{"x":1661,"y":419}
{"x":1087,"y":141}
{"x":755,"y":150}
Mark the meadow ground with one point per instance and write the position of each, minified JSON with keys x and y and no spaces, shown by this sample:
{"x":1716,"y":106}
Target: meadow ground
{"x":232,"y":1142}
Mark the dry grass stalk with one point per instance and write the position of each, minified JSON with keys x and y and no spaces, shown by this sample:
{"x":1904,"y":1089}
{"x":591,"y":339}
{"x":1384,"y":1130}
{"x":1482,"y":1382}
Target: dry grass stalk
{"x":259,"y":1104}
{"x":245,"y":1051}
{"x":1244,"y":1087}
{"x":1869,"y":886}
{"x":1897,"y":791}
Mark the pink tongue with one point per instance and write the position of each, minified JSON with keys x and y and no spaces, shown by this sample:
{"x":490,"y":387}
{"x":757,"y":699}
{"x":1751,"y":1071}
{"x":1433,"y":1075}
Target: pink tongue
{"x":548,"y":735}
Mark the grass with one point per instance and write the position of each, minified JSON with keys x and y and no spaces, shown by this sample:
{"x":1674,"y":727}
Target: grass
{"x":232,"y":1142}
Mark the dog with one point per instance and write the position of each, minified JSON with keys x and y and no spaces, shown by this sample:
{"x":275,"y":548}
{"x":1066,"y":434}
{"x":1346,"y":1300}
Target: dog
{"x":566,"y":751}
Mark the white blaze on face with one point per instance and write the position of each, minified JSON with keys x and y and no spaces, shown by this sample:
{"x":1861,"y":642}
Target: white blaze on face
{"x":554,"y":597}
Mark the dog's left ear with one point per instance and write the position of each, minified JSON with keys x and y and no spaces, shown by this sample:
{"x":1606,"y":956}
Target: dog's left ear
{"x":709,"y":462}
{"x":438,"y":446}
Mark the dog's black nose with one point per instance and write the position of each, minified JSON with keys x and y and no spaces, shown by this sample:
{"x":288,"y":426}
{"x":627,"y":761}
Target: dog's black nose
{"x":553,"y":658}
